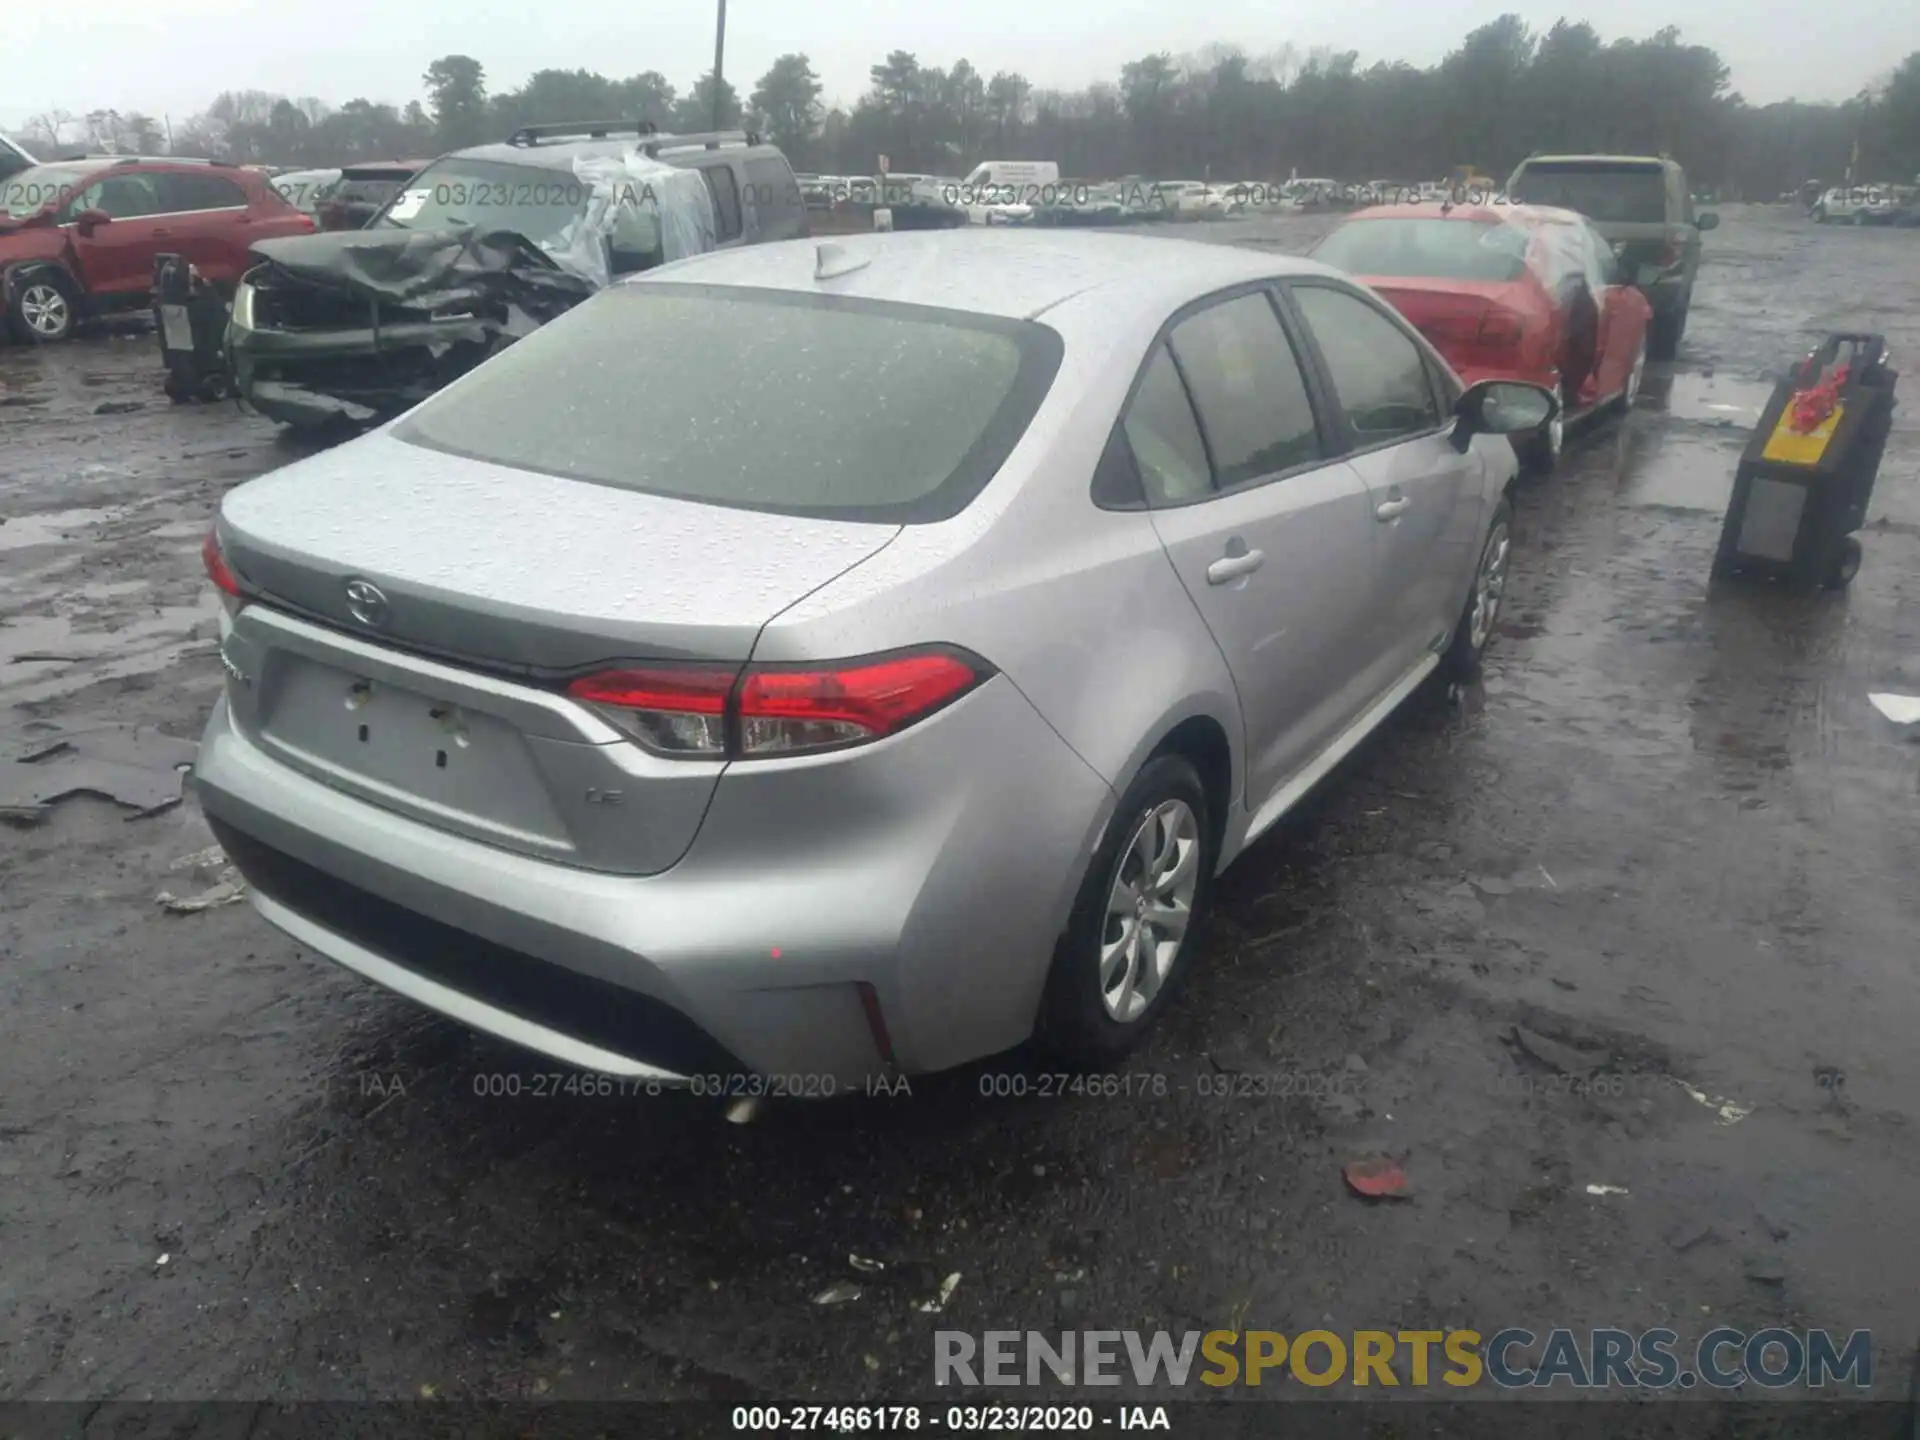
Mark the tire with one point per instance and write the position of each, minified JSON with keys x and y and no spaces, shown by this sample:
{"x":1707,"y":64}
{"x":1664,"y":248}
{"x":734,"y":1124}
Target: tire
{"x":44,"y":310}
{"x":1663,"y":336}
{"x":1467,"y":651}
{"x":1846,"y":565}
{"x":1084,"y":1019}
{"x":1539,"y":452}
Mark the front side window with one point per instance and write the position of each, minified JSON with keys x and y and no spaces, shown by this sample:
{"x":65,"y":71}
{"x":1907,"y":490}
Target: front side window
{"x":1247,"y":389}
{"x":124,"y":197}
{"x":1379,"y":375}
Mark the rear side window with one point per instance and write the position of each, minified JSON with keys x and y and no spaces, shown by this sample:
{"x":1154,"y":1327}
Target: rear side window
{"x":776,"y":198}
{"x":726,"y":201}
{"x":1616,"y":194}
{"x":198,"y":192}
{"x":799,"y":404}
{"x":1248,"y":390}
{"x":1164,"y":438}
{"x":1379,"y":375}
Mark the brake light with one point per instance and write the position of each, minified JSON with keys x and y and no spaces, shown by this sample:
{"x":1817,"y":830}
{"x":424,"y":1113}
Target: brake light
{"x":702,"y":712}
{"x":218,"y":570}
{"x":1676,"y":246}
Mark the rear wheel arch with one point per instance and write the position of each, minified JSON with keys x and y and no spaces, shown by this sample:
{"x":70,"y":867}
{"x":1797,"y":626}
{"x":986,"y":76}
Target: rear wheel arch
{"x":1203,"y":742}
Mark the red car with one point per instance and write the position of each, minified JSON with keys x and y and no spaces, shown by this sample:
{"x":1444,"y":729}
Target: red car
{"x":78,"y":237}
{"x":1521,"y":292}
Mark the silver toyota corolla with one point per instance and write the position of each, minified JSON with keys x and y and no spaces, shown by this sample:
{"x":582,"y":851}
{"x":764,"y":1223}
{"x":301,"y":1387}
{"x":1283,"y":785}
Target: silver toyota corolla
{"x":832,"y":660}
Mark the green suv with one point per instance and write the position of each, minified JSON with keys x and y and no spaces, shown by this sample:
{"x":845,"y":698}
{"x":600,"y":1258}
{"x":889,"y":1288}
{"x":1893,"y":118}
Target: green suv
{"x":1642,"y":205}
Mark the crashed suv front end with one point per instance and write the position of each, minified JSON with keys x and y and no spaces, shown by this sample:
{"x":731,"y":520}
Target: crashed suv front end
{"x":314,"y":344}
{"x":357,"y":326}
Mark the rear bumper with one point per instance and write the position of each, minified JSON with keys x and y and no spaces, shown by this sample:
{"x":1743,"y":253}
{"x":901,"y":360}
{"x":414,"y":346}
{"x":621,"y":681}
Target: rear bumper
{"x":750,"y":955}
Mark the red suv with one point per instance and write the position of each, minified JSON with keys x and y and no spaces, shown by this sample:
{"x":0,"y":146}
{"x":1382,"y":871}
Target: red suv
{"x":78,"y":237}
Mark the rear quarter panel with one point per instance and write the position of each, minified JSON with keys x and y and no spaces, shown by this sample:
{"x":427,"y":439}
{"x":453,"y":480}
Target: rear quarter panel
{"x":1078,"y":607}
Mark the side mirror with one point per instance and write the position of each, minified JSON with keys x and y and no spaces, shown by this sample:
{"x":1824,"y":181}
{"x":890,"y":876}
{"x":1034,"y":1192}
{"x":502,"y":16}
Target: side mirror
{"x":1706,"y":220}
{"x":87,"y":221}
{"x":1501,"y":407}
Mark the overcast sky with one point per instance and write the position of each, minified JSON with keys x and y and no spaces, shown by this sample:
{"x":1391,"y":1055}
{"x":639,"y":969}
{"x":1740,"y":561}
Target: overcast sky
{"x":173,"y":56}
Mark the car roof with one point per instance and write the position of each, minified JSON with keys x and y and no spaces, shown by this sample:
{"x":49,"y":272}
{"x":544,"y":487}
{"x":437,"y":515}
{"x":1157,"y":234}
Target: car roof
{"x":1484,"y":214}
{"x":1634,"y":161}
{"x":1015,"y":274}
{"x":560,"y":154}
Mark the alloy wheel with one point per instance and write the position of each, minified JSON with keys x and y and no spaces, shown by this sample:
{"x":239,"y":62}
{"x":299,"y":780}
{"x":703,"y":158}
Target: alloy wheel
{"x":1489,"y":586}
{"x":45,"y":311}
{"x":1149,"y":909}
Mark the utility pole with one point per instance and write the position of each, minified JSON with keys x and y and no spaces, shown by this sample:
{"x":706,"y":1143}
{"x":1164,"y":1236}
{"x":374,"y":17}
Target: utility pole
{"x":719,"y":61}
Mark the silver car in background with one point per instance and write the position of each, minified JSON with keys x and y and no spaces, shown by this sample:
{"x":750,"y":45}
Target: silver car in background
{"x":832,"y":660}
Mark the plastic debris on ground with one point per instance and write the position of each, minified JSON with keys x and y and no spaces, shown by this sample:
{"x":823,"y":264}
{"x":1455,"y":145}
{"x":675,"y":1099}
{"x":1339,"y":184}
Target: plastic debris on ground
{"x":223,"y":885}
{"x":840,"y":1292}
{"x":1607,"y":1190}
{"x":1902,"y":710}
{"x":939,"y":1302}
{"x":864,"y":1265}
{"x":136,"y":766}
{"x":1728,"y":1112}
{"x":1377,"y":1177}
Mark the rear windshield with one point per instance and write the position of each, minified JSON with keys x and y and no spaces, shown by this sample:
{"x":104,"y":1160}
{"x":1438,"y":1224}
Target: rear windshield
{"x":762,"y":400}
{"x":535,"y":201}
{"x":1622,"y":194}
{"x":1437,"y":249}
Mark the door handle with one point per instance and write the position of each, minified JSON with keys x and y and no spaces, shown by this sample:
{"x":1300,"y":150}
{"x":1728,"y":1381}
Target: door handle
{"x":1232,"y":567}
{"x":1392,"y":509}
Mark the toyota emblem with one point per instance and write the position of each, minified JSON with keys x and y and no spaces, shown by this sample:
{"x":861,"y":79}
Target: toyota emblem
{"x":366,"y":603}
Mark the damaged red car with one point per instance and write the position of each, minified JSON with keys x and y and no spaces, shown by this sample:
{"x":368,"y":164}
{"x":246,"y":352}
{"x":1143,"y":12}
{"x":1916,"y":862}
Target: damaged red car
{"x":78,"y":237}
{"x":1510,"y":292}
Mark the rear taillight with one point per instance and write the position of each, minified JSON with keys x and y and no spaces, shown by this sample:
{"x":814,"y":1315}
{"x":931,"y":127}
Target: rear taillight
{"x":699,"y":712}
{"x":1675,"y":248}
{"x":1501,"y":330}
{"x":218,"y":571}
{"x":671,"y":710}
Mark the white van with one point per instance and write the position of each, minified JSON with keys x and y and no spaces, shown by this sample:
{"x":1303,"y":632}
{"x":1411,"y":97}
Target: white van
{"x":1006,"y":192}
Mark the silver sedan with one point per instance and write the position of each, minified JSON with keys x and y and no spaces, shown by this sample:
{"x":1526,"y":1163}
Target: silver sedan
{"x":836,"y":660}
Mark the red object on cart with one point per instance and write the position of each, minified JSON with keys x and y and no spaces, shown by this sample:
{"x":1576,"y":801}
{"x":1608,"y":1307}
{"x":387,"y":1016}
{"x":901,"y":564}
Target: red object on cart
{"x":1815,"y":402}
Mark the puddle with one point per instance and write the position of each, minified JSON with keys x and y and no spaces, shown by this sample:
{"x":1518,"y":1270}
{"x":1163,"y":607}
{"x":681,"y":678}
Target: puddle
{"x":45,"y":655}
{"x":1676,"y":470}
{"x":50,"y":527}
{"x":1719,"y":400}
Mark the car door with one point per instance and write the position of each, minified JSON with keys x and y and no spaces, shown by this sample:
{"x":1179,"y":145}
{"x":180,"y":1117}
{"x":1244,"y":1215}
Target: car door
{"x":115,"y":261}
{"x":1424,"y":522}
{"x":207,"y":221}
{"x":1267,"y":527}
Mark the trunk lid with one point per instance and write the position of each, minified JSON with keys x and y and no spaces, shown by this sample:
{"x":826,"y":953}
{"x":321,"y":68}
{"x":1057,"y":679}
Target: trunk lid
{"x":437,"y":695}
{"x":520,"y":572}
{"x":1474,"y":325}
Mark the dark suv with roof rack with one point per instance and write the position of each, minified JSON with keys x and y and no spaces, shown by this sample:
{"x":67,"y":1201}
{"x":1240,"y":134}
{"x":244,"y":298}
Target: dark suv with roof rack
{"x":482,"y":246}
{"x":78,"y":236}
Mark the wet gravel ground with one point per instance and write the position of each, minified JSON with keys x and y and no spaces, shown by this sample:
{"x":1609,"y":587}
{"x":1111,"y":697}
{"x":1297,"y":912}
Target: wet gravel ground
{"x":1668,"y":826}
